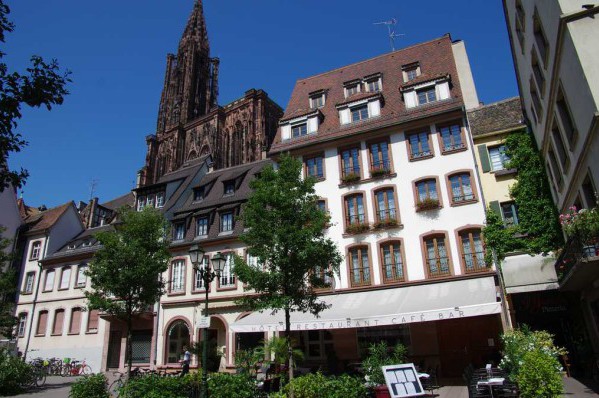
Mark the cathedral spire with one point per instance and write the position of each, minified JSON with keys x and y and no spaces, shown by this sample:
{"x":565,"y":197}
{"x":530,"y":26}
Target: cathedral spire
{"x":195,"y":30}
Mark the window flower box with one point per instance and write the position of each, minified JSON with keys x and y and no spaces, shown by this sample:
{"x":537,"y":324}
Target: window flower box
{"x":357,"y":228}
{"x":427,"y":204}
{"x":390,"y":223}
{"x":379,"y":173}
{"x":350,"y":178}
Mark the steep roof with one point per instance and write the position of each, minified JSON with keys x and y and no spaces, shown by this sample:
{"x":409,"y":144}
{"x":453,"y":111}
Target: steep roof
{"x":498,"y":116}
{"x":46,"y":219}
{"x":435,"y":59}
{"x":127,"y":199}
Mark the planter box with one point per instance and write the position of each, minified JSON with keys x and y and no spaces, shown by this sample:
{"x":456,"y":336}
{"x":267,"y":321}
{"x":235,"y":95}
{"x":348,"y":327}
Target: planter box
{"x":381,"y":392}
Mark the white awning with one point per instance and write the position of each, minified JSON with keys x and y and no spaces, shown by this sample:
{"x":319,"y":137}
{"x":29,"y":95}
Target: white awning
{"x":524,"y":273}
{"x":395,"y":306}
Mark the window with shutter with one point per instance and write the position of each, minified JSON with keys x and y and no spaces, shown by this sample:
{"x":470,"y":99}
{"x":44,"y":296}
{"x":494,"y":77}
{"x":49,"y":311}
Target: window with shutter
{"x":58,"y":322}
{"x":75,"y":325}
{"x":92,"y":321}
{"x":42,"y":322}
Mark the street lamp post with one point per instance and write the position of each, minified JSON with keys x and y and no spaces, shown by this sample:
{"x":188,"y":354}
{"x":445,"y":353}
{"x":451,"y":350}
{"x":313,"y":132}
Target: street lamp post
{"x":207,"y":275}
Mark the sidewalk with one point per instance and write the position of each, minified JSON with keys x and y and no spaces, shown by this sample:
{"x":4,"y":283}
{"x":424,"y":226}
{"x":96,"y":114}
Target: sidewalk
{"x":56,"y":387}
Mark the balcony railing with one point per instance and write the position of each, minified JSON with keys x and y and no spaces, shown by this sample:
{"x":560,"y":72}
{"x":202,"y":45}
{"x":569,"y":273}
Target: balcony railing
{"x":438,"y":266}
{"x":575,"y":251}
{"x":475,"y":262}
{"x":393,"y":272}
{"x":380,"y":169}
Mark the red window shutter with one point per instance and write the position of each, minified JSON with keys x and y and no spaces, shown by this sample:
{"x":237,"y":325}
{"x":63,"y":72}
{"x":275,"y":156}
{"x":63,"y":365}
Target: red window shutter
{"x":92,"y":322}
{"x":42,"y":323}
{"x":75,"y":327}
{"x":58,"y":322}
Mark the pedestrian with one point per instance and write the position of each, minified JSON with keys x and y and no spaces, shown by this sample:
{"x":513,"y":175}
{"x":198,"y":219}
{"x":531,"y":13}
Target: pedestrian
{"x":185,"y":361}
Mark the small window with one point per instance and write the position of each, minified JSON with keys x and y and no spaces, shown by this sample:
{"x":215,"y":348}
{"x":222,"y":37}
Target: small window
{"x":379,"y":159}
{"x":150,"y":200}
{"x":75,"y":324}
{"x":359,"y":113}
{"x":198,"y":194}
{"x":354,"y":211}
{"x":373,"y":86}
{"x":92,"y":321}
{"x":202,"y":226}
{"x":563,"y":110}
{"x":42,"y":323}
{"x":556,"y":170}
{"x":141,"y":202}
{"x":509,"y":213}
{"x":537,"y":73}
{"x":229,"y":187}
{"x":562,"y":153}
{"x":540,"y":39}
{"x":451,"y":137}
{"x":81,"y":277}
{"x":392,"y":262}
{"x":352,"y":89}
{"x":359,"y":267}
{"x":86,"y":243}
{"x":65,"y":278}
{"x":58,"y":322}
{"x":227,"y":278}
{"x":179,"y":231}
{"x":177,"y":276}
{"x":299,"y":130}
{"x":317,"y":101}
{"x":314,"y":167}
{"x":322,"y":278}
{"x":426,"y":95}
{"x":473,"y":252}
{"x":410,"y":72}
{"x":160,"y":199}
{"x":71,"y":246}
{"x":386,"y":212}
{"x":419,"y":145}
{"x":35,"y":250}
{"x":437,"y":259}
{"x":322,"y":205}
{"x":461,"y":188}
{"x":520,"y":24}
{"x":536,"y":101}
{"x":29,"y":280}
{"x":226,"y":221}
{"x":22,"y":324}
{"x":49,"y":283}
{"x":427,"y":197}
{"x":588,"y":190}
{"x":498,"y":157}
{"x":350,"y":164}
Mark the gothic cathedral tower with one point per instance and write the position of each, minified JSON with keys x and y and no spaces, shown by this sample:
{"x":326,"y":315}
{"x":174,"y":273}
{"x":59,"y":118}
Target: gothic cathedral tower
{"x":190,"y":121}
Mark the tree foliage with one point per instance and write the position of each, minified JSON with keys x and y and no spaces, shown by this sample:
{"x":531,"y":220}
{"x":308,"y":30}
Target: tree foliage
{"x":43,"y":84}
{"x":538,"y":220}
{"x":285,"y":231}
{"x":8,"y":283}
{"x":126,"y":271}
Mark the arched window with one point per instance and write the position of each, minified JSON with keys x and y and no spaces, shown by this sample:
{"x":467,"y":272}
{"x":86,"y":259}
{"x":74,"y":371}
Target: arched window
{"x":359,"y":266}
{"x":472,"y":251}
{"x":178,"y":336}
{"x":392,"y":262}
{"x":436,"y":255}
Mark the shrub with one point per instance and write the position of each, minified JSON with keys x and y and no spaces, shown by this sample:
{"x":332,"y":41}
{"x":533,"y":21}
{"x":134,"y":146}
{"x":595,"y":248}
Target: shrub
{"x":379,"y":356}
{"x":538,"y":377}
{"x":152,"y":386}
{"x":225,"y":385}
{"x":93,"y":386}
{"x":317,"y":385}
{"x":14,"y":373}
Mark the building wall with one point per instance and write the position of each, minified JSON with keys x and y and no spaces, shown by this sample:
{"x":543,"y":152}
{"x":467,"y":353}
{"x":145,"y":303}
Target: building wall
{"x":495,"y":187}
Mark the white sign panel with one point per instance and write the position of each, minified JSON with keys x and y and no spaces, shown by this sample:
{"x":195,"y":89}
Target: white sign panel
{"x":203,"y":322}
{"x":402,"y":380}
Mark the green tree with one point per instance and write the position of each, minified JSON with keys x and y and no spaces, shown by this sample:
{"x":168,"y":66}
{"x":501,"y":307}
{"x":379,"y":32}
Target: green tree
{"x":126,"y":271}
{"x":285,"y":231}
{"x":8,"y":283}
{"x":43,"y":84}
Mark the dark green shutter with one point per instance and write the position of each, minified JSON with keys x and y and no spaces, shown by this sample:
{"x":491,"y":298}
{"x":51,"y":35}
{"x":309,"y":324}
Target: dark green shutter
{"x":494,"y":205}
{"x":484,"y":158}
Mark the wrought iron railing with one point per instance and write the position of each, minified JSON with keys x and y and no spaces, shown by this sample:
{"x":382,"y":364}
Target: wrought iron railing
{"x":438,"y":266}
{"x":475,"y":262}
{"x":575,"y":250}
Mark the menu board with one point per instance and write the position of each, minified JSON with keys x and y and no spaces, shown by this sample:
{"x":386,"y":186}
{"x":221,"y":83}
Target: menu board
{"x":402,"y":380}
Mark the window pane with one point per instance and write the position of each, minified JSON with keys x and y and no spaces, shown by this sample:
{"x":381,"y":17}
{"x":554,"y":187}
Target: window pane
{"x":49,"y":285}
{"x":65,"y":278}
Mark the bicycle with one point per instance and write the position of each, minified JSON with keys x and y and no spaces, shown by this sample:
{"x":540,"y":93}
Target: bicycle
{"x":121,"y":378}
{"x":75,"y":368}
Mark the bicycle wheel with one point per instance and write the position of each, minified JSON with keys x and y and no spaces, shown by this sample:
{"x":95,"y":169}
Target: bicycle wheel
{"x":115,"y":387}
{"x":66,"y":370}
{"x":40,"y":379}
{"x":85,"y":370}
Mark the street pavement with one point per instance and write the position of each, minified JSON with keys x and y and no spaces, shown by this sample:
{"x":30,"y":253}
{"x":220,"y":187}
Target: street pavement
{"x":55,"y":387}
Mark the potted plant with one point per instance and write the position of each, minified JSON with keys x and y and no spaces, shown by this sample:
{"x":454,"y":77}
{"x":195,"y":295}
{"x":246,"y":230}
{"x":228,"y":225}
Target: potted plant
{"x":350,"y":177}
{"x":427,"y":204}
{"x":357,"y":228}
{"x":379,"y":355}
{"x":390,"y":222}
{"x":380,"y":172}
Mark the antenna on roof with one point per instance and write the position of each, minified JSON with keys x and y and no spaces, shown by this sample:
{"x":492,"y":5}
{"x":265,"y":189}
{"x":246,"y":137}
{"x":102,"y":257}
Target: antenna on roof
{"x":392,"y":34}
{"x":92,"y":188}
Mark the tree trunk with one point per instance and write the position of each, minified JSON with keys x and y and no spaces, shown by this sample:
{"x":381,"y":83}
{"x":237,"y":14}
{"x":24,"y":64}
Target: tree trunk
{"x":129,"y":346}
{"x":289,"y":347}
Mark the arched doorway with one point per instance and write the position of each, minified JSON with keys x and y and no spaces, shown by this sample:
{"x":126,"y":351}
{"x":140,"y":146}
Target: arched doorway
{"x":217,"y":343}
{"x":177,"y":337}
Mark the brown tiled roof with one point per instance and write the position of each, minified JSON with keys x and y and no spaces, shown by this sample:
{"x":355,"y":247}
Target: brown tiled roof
{"x":358,"y":97}
{"x":498,"y":116}
{"x":298,"y":113}
{"x":423,"y":78}
{"x":127,"y":199}
{"x":46,"y":219}
{"x":435,"y":58}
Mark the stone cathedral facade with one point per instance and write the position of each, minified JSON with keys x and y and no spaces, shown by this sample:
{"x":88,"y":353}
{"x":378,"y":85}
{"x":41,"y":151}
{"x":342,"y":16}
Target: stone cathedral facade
{"x":190,"y":121}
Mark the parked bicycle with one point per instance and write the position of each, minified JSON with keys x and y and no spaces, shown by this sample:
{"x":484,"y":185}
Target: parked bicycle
{"x":72,"y":367}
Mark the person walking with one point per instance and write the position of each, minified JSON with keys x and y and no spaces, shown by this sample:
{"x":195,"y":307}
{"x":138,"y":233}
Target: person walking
{"x":185,"y":361}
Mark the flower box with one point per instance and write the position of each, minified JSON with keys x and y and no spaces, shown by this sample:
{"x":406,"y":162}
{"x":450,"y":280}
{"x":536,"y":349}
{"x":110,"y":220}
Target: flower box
{"x":427,"y":204}
{"x":350,"y":178}
{"x":357,"y":228}
{"x":378,"y":173}
{"x":386,"y":223}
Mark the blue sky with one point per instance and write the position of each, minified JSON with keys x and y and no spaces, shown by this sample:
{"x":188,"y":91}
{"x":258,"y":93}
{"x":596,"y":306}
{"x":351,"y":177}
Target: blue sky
{"x":117,"y":49}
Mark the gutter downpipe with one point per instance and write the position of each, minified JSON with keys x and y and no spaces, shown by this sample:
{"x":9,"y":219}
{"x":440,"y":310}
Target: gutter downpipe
{"x":37,"y":289}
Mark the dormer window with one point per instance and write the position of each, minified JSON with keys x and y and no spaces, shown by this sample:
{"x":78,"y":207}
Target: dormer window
{"x":426,"y":95}
{"x":141,"y":203}
{"x":426,"y":92}
{"x":198,"y":194}
{"x":411,"y":71}
{"x":374,"y":86}
{"x":71,"y":246}
{"x":86,"y":243}
{"x":299,"y":130}
{"x":352,"y":88}
{"x":229,"y":187}
{"x":179,"y":231}
{"x":359,"y":113}
{"x":317,"y":100}
{"x":160,"y":199}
